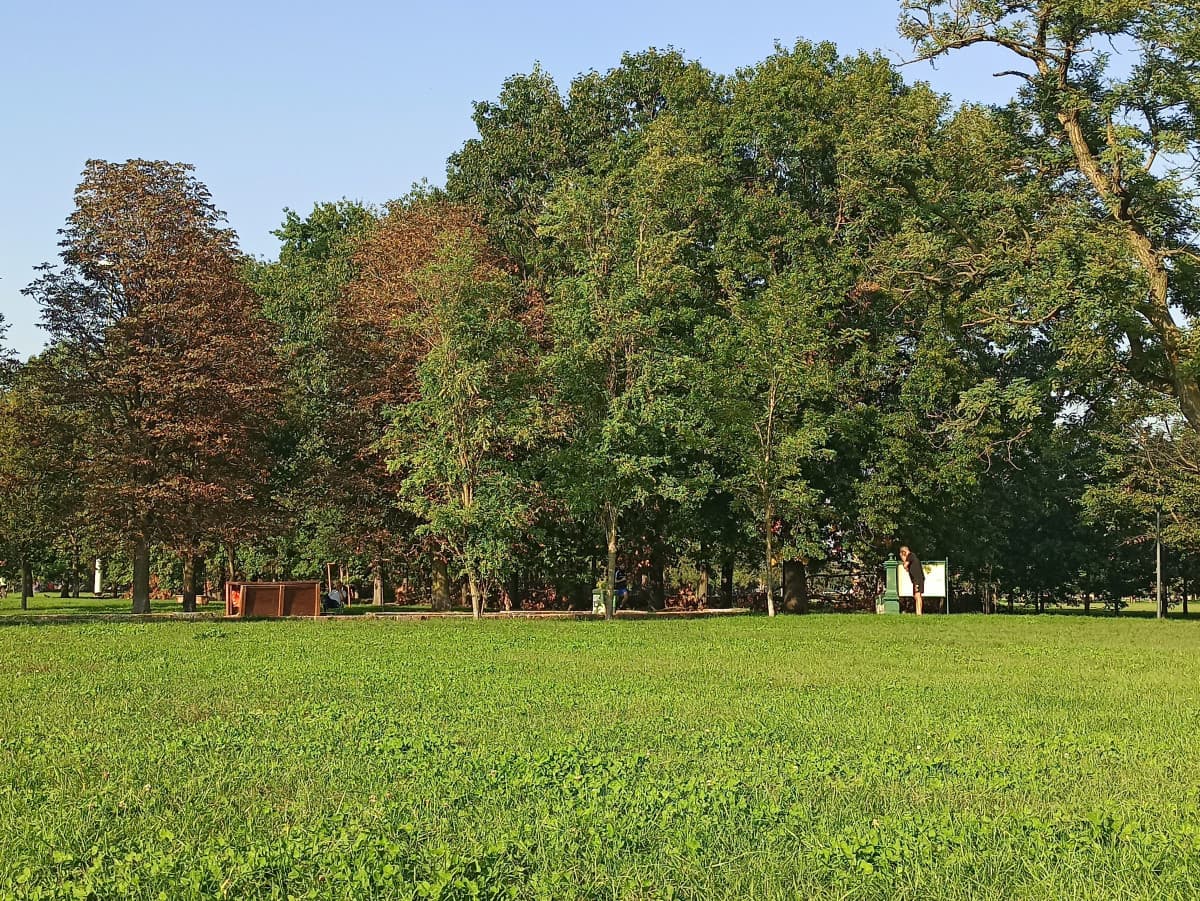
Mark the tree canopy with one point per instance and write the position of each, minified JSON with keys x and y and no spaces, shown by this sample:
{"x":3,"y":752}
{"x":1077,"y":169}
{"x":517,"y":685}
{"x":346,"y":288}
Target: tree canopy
{"x":783,"y":320}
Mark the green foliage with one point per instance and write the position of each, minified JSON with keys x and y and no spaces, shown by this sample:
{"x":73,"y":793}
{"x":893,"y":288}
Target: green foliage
{"x":8,"y":360}
{"x":475,"y":408}
{"x":1123,"y":148}
{"x":299,"y":293}
{"x":43,"y":518}
{"x":806,"y":305}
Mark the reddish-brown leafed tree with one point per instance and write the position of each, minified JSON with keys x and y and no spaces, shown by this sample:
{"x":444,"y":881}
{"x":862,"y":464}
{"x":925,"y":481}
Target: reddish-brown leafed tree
{"x":374,"y":374}
{"x":166,"y":361}
{"x":381,"y":352}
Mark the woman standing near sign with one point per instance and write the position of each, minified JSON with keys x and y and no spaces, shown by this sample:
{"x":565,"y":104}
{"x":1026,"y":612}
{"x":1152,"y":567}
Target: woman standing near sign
{"x":916,"y":574}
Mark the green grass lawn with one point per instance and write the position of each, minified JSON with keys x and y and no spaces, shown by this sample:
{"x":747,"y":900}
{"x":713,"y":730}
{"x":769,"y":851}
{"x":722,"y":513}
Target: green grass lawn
{"x":50,"y":604}
{"x":822,"y":756}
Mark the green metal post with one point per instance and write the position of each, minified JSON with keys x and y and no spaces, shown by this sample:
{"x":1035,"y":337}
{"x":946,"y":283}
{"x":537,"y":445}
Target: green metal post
{"x":891,"y":586}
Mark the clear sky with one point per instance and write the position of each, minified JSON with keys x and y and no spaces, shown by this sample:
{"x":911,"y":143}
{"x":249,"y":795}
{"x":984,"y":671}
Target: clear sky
{"x":288,"y":104}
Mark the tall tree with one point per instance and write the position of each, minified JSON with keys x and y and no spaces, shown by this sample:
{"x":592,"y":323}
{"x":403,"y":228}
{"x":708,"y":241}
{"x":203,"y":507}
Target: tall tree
{"x":441,"y":334}
{"x":623,"y":312}
{"x":1132,"y":141}
{"x":314,"y":481}
{"x":812,"y":347}
{"x":163,"y":360}
{"x":774,"y":381}
{"x":474,"y":409}
{"x":42,"y":477}
{"x":536,"y":148}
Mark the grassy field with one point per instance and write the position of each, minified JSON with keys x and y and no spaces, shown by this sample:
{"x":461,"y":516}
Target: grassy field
{"x":824,"y":756}
{"x":51,"y":604}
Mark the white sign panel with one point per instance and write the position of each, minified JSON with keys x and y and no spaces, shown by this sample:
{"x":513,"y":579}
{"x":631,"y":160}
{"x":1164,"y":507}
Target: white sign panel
{"x":935,"y":581}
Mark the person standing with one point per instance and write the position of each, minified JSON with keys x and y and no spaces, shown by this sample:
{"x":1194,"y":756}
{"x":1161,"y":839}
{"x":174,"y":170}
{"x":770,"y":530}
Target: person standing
{"x":916,"y":574}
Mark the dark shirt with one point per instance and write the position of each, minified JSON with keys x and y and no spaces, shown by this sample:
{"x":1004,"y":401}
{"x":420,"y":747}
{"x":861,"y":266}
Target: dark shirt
{"x":916,"y":573}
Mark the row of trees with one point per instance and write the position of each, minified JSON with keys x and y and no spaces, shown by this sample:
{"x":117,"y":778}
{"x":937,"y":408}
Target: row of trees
{"x":799,"y":313}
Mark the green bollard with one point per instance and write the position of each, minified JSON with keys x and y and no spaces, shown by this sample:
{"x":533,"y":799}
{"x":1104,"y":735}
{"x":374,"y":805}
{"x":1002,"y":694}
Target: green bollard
{"x":890,"y":602}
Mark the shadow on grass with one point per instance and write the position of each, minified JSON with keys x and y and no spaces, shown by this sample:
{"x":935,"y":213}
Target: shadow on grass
{"x":1100,"y":613}
{"x":51,"y":610}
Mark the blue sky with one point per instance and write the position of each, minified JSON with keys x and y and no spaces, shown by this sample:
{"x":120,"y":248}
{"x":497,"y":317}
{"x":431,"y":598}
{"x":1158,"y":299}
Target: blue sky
{"x":288,"y":104}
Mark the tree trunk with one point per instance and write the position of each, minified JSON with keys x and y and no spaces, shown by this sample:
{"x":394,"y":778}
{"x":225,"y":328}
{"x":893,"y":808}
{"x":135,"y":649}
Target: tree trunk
{"x":476,"y":596}
{"x":658,"y":586}
{"x":189,"y":582}
{"x":200,"y":566}
{"x":230,"y":563}
{"x":795,"y":587}
{"x":512,"y":588}
{"x":141,"y":576}
{"x":441,"y":584}
{"x":770,"y":561}
{"x":703,"y":581}
{"x":1184,"y":594}
{"x":727,"y":582}
{"x":609,"y":517}
{"x":78,"y":573}
{"x":26,"y":582}
{"x":377,"y":585}
{"x":1087,"y":603}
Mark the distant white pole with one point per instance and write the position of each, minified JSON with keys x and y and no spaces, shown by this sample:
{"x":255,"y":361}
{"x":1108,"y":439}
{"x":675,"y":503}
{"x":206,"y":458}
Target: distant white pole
{"x":98,"y":578}
{"x":1158,"y":562}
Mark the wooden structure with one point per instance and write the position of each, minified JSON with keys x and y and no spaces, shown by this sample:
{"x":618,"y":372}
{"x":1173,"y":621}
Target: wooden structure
{"x":272,"y":599}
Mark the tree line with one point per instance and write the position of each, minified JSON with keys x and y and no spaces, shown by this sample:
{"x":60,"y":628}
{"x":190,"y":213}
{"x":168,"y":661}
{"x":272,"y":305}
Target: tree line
{"x":796,"y":315}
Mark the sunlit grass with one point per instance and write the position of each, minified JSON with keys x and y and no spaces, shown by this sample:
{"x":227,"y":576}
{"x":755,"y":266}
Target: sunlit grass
{"x":822,"y":756}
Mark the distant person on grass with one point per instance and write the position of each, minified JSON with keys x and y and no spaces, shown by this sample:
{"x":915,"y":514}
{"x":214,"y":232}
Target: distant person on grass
{"x":916,"y":573}
{"x":335,"y":600}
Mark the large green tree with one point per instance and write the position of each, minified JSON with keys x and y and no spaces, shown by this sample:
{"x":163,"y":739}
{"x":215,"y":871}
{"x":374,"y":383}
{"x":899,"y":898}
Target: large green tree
{"x":1127,"y":136}
{"x":473,"y":410}
{"x":315,"y":479}
{"x":43,"y":477}
{"x":632,"y":290}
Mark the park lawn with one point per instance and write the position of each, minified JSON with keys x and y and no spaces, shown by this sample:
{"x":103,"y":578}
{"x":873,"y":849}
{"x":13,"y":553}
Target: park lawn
{"x":52,"y":604}
{"x":87,"y":606}
{"x":821,"y":756}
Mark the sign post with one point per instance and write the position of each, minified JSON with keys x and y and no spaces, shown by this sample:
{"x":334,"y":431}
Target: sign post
{"x":937,"y":582}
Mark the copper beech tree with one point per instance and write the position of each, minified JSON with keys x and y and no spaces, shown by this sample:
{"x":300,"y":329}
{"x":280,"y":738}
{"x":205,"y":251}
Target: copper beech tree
{"x":165,"y":363}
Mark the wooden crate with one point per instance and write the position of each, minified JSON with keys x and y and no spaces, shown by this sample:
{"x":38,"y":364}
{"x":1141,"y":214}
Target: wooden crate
{"x":272,"y":599}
